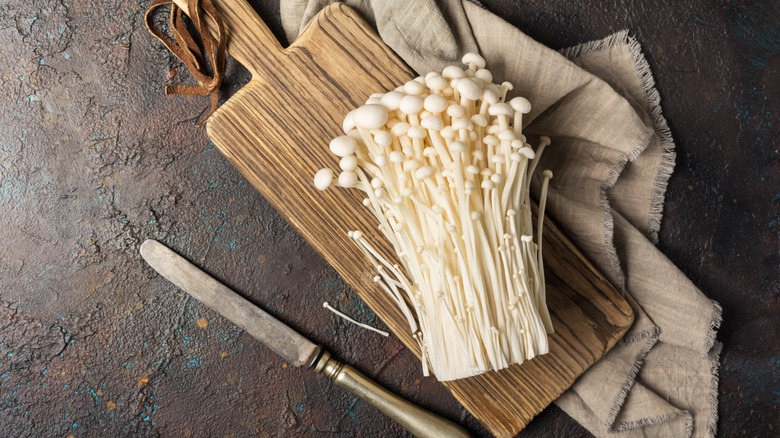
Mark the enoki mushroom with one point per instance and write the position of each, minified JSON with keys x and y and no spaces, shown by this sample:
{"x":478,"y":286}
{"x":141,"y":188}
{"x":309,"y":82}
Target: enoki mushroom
{"x":446,"y":171}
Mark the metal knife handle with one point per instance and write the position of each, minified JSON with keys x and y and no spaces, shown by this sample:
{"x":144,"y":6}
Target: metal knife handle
{"x":418,"y":421}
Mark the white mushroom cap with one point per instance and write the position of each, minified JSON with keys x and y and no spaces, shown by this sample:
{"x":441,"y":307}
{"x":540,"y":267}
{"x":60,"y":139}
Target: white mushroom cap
{"x":343,"y":145}
{"x":416,"y":132}
{"x":463,"y":123}
{"x":447,"y":132}
{"x":479,"y":120}
{"x":495,"y":88}
{"x":544,"y":140}
{"x":410,"y":104}
{"x":435,"y":103}
{"x":323,"y":178}
{"x":348,"y":163}
{"x":470,"y":88}
{"x":399,"y":129}
{"x":456,"y":110}
{"x":432,"y":123}
{"x":370,"y":116}
{"x":472,"y":58}
{"x":436,"y":82}
{"x":411,"y":165}
{"x":381,"y":160}
{"x":500,"y":109}
{"x":489,"y":95}
{"x":507,"y":135}
{"x":383,"y":138}
{"x":391,"y":100}
{"x":349,"y":122}
{"x":347,"y":179}
{"x":484,"y":75}
{"x":490,"y":139}
{"x":453,"y":72}
{"x":520,"y":104}
{"x":397,"y":157}
{"x":547,"y":173}
{"x":414,"y":87}
{"x":423,"y":172}
{"x":528,"y":152}
{"x":356,"y":135}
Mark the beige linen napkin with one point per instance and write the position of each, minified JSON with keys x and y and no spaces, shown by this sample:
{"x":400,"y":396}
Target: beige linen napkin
{"x":611,"y":154}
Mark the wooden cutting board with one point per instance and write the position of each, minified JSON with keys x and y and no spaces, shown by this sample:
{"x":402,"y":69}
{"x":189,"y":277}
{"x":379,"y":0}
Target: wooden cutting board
{"x":276,"y":131}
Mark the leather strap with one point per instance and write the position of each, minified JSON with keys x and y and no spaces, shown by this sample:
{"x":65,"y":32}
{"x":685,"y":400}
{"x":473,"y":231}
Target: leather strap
{"x":184,"y":47}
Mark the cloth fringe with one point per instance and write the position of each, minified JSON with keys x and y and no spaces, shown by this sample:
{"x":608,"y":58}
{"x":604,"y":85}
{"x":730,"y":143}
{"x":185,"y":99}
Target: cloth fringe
{"x":653,"y":101}
{"x":652,"y":334}
{"x":609,"y":226}
{"x":609,"y":222}
{"x":595,"y":46}
{"x":668,"y":153}
{"x":712,"y":350}
{"x":665,"y":169}
{"x":658,"y":420}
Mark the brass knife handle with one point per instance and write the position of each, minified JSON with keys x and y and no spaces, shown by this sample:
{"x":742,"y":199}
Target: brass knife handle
{"x":420,"y":422}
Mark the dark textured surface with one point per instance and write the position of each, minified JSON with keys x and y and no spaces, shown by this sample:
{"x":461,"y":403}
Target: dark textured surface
{"x":94,"y":159}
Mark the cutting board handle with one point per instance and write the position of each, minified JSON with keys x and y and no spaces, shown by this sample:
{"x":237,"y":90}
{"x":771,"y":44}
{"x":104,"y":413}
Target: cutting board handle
{"x":245,"y":30}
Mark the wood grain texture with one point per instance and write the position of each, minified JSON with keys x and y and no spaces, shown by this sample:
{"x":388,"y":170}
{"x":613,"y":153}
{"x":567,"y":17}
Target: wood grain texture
{"x":276,"y":131}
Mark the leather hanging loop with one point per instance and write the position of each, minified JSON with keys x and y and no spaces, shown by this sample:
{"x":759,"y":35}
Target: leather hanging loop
{"x":184,"y":47}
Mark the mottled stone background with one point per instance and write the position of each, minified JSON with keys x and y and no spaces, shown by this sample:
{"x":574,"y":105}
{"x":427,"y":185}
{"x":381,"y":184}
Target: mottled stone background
{"x":95,"y":158}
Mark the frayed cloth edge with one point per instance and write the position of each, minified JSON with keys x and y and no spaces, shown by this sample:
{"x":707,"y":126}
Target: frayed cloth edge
{"x":712,"y":350}
{"x":668,"y":153}
{"x":660,"y":125}
{"x":652,"y":334}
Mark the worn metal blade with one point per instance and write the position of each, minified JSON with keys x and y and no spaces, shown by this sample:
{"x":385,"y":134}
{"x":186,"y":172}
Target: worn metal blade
{"x":277,"y":336}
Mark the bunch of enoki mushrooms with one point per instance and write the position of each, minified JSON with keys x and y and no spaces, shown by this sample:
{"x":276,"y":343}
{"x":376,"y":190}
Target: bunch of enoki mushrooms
{"x":446,"y":171}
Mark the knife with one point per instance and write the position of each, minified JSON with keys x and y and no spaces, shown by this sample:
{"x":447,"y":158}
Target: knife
{"x":291,"y":345}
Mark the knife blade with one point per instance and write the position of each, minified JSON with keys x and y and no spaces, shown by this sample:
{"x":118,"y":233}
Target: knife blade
{"x":290,"y":345}
{"x":280,"y":338}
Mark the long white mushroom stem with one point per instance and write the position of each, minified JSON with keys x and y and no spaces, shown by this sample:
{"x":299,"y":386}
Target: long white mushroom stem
{"x":446,"y":172}
{"x":357,"y":323}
